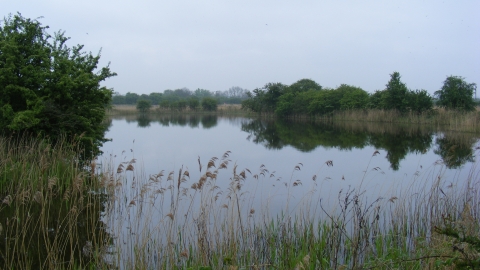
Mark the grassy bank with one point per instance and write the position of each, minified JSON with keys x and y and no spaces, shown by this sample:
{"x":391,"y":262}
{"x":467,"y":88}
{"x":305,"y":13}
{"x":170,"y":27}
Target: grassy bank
{"x":57,"y":214}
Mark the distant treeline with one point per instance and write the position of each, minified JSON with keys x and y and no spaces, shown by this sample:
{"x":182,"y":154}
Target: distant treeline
{"x":306,"y":97}
{"x":182,"y":97}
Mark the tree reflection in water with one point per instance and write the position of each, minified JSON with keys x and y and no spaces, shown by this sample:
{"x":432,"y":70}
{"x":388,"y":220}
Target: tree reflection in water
{"x":398,"y":141}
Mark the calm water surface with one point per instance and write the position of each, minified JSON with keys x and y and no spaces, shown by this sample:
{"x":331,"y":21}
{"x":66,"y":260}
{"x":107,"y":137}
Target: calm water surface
{"x":170,"y":143}
{"x":298,"y":165}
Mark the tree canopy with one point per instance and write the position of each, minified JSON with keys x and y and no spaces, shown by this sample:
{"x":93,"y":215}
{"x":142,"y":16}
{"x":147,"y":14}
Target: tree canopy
{"x":48,"y":88}
{"x":143,"y":105}
{"x":456,"y":93}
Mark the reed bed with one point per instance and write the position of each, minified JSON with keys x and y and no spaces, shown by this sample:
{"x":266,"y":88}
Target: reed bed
{"x":49,"y":207}
{"x":453,"y":120}
{"x":218,"y":221}
{"x":58,"y":213}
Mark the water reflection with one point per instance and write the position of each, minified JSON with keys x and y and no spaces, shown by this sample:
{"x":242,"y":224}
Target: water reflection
{"x":193,"y":121}
{"x":397,"y":140}
{"x":455,"y":149}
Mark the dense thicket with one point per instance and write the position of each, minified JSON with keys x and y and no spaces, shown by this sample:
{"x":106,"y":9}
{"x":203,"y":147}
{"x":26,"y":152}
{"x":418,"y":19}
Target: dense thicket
{"x":48,"y":88}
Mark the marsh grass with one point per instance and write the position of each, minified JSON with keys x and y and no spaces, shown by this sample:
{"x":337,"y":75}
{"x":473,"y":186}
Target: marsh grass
{"x":217,"y":221}
{"x":49,"y":208}
{"x":453,"y":120}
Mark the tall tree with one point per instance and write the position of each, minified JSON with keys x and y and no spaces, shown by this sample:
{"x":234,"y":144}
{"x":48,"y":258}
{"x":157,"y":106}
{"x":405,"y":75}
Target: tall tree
{"x":48,"y":88}
{"x":456,"y":93}
{"x":304,"y":85}
{"x":396,"y":93}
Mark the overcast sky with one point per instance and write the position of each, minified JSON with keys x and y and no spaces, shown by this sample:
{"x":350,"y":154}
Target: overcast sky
{"x":155,"y":45}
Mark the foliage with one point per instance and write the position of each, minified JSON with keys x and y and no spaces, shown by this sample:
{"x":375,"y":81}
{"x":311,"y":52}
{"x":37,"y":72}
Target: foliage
{"x":457,"y":94}
{"x":202,"y":93}
{"x":353,"y":97}
{"x":118,"y":99}
{"x":155,"y":98}
{"x":193,"y":103}
{"x":165,"y":104}
{"x":254,"y":101}
{"x":209,"y":104}
{"x":48,"y":88}
{"x":273,"y":91}
{"x":131,"y":98}
{"x":419,"y":101}
{"x":293,"y":103}
{"x":325,"y":102}
{"x":304,"y":85}
{"x":179,"y":105}
{"x":396,"y":94}
{"x":376,"y":100}
{"x":144,"y":105}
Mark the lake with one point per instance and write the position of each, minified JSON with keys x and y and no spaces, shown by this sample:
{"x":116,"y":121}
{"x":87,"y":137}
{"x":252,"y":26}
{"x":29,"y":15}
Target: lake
{"x":264,"y":167}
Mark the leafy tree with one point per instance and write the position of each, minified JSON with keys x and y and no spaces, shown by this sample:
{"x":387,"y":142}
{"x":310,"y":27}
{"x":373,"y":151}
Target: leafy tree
{"x":325,"y":101}
{"x":155,"y":98}
{"x":48,"y":88}
{"x":255,"y":100}
{"x":118,"y":98}
{"x":183,"y":92}
{"x":143,"y":105}
{"x":353,"y":97}
{"x":273,"y":91}
{"x":285,"y":104}
{"x":377,"y":100}
{"x":396,"y":93}
{"x":202,"y":93}
{"x":294,"y":100}
{"x":180,"y":105}
{"x":420,"y":101}
{"x":456,"y":93}
{"x":131,"y":98}
{"x":304,"y":85}
{"x":165,"y":104}
{"x":236,"y":92}
{"x":193,"y":103}
{"x":209,"y":104}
